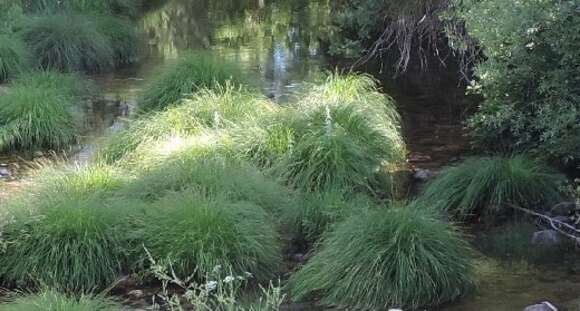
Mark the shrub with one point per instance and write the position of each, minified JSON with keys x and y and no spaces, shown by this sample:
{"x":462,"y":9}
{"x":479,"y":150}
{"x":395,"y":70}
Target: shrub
{"x":484,"y":186}
{"x":197,"y":232}
{"x":34,"y":118}
{"x":53,"y":301}
{"x":123,"y":37}
{"x":528,"y":77}
{"x":343,"y":132}
{"x":14,"y":57}
{"x":67,"y":42}
{"x":186,"y":76}
{"x":213,"y":169}
{"x":74,"y":246}
{"x":392,"y":257}
{"x":213,"y":109}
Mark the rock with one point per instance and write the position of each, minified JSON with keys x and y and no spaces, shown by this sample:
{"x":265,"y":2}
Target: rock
{"x":546,"y":237}
{"x":136,"y":294}
{"x":422,"y":175}
{"x":544,"y":306}
{"x":5,"y":172}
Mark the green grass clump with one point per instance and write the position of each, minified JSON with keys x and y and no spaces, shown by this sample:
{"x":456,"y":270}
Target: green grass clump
{"x":197,"y":232}
{"x":14,"y":57}
{"x":67,"y":42}
{"x":387,"y":258}
{"x":338,"y":136}
{"x":209,"y":109}
{"x":128,"y":8}
{"x":123,"y":37}
{"x":320,"y":211}
{"x":36,"y":118}
{"x":71,"y":85}
{"x":484,"y":187}
{"x":187,"y":76}
{"x":73,"y":246}
{"x":53,"y":301}
{"x":213,"y":169}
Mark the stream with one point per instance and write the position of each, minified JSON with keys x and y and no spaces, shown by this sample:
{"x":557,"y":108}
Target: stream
{"x":278,"y":41}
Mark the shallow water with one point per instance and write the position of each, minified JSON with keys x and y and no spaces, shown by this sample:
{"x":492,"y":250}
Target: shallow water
{"x":278,"y":42}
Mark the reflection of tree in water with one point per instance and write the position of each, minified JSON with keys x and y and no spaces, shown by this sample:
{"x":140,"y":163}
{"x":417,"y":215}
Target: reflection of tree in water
{"x":278,"y":39}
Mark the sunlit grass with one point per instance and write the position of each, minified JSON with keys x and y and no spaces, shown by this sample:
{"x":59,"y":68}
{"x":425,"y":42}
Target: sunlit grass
{"x":484,"y":187}
{"x":53,"y":301}
{"x":208,"y":110}
{"x":197,"y":231}
{"x":337,"y":137}
{"x":396,"y":257}
{"x":186,"y":76}
{"x":67,"y":84}
{"x":14,"y":57}
{"x":67,"y":42}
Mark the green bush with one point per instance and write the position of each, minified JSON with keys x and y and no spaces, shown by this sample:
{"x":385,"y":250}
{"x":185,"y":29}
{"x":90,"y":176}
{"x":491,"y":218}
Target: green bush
{"x":186,"y":76}
{"x":123,"y":37}
{"x":529,"y":76}
{"x":197,"y":232}
{"x":67,"y":42}
{"x":397,"y":257}
{"x":209,"y":109}
{"x":485,"y":186}
{"x":14,"y":57}
{"x":74,"y":246}
{"x":53,"y":301}
{"x":337,"y":137}
{"x":35,"y":118}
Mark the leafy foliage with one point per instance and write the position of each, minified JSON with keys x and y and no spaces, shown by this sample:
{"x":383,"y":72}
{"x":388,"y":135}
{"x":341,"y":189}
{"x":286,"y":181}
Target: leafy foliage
{"x":388,"y":258}
{"x":529,"y":77}
{"x":484,"y":186}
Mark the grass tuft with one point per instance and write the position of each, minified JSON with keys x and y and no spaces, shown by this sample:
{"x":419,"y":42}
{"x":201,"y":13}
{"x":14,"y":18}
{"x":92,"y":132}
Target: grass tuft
{"x":209,"y":109}
{"x":482,"y":187}
{"x":123,"y":38}
{"x":338,"y":137}
{"x":67,"y":42}
{"x":387,"y":258}
{"x":197,"y":232}
{"x":186,"y":76}
{"x":74,"y":246}
{"x":14,"y":57}
{"x":36,"y":118}
{"x":53,"y":301}
{"x":127,"y":8}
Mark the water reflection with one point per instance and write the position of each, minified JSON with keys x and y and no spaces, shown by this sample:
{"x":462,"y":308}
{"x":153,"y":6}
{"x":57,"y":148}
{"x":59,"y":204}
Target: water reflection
{"x":277,"y":40}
